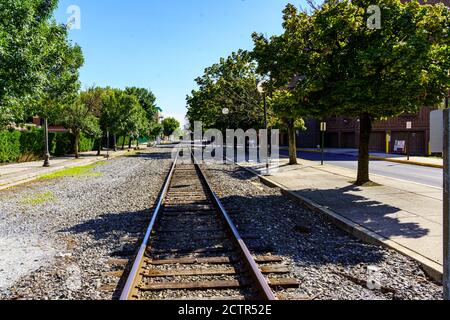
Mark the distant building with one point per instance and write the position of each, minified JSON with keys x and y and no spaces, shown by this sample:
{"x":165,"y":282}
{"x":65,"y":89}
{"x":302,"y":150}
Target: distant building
{"x":39,"y":122}
{"x":344,"y":132}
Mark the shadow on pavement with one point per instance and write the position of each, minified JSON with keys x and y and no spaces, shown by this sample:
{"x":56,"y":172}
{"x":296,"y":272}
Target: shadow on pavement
{"x":376,"y":216}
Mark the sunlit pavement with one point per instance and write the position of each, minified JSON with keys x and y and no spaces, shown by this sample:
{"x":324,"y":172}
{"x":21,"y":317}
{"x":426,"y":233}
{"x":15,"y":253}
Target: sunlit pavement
{"x":424,"y":175}
{"x":408,"y":215}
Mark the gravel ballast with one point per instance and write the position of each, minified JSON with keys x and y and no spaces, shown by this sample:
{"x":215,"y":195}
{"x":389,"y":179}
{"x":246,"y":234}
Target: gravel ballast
{"x":70,"y":237}
{"x":329,"y":263}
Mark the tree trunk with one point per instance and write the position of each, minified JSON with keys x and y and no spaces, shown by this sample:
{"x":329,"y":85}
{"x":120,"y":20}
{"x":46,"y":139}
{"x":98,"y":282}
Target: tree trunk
{"x":364,"y":141}
{"x":292,"y":143}
{"x":137,"y":144}
{"x":115,"y":142}
{"x":77,"y":144}
{"x":123,"y":142}
{"x":130,"y":142}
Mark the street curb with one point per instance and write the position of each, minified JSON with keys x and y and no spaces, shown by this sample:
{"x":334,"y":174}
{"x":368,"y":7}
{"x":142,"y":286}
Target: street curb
{"x":415,"y":163}
{"x":422,"y":164}
{"x":431,"y":268}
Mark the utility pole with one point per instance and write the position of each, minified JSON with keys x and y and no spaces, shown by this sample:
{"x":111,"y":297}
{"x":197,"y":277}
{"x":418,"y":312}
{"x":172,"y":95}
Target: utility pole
{"x":446,"y":280}
{"x":46,"y":151}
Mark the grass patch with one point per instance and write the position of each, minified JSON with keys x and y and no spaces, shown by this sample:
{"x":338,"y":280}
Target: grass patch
{"x":39,"y":198}
{"x":84,"y":171}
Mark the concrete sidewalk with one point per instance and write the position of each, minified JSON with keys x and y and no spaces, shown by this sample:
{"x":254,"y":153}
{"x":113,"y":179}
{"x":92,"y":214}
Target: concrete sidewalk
{"x":401,"y":215}
{"x":19,"y":173}
{"x":433,"y":162}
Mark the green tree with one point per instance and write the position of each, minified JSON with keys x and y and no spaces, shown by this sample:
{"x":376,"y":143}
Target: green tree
{"x":288,"y":117}
{"x":93,"y":99}
{"x":118,"y":113}
{"x":146,"y":119}
{"x":25,"y":29}
{"x":147,"y":100}
{"x":79,"y":118}
{"x":60,"y":86}
{"x":229,"y":84}
{"x":155,"y":130}
{"x":286,"y":58}
{"x":169,"y":126}
{"x":137,"y":124}
{"x":372,"y":74}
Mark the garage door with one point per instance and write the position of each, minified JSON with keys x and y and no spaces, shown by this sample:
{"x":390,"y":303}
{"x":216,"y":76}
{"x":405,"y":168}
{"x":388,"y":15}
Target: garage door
{"x":332,"y":140}
{"x":348,"y":140}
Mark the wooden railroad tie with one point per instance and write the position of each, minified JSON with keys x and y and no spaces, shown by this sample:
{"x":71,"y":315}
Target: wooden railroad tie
{"x":153,"y":273}
{"x":212,"y":260}
{"x":215,"y":284}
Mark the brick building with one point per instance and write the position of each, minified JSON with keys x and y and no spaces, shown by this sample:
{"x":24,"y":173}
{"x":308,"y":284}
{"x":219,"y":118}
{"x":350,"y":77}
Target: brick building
{"x":39,"y":122}
{"x":344,"y":133}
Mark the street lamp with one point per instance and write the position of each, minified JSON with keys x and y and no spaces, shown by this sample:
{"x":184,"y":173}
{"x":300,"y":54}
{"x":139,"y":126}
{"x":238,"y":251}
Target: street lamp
{"x":262,"y":91}
{"x":46,"y":152}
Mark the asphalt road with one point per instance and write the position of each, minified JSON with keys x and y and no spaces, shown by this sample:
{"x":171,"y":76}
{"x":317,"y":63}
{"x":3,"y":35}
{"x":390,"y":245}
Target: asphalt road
{"x":424,"y":175}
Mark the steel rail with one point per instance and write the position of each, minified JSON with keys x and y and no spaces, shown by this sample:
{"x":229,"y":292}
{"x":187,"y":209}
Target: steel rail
{"x":134,"y":273}
{"x":263,"y":286}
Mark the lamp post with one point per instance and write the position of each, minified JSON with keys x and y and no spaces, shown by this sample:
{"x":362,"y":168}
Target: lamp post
{"x":46,"y":151}
{"x":262,"y":91}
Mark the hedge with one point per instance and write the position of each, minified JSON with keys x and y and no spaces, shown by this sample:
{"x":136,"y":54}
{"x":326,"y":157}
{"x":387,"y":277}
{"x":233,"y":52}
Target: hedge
{"x":9,"y":146}
{"x":87,"y":144}
{"x":19,"y":146}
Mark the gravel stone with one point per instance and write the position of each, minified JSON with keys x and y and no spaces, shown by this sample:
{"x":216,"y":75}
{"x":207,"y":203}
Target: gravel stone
{"x":329,"y":263}
{"x":63,"y":248}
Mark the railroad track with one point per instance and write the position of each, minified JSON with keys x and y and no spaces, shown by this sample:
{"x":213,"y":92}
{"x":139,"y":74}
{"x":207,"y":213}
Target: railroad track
{"x":192,"y":249}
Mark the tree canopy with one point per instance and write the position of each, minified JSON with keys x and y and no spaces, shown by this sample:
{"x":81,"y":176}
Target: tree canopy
{"x":229,"y":84}
{"x":334,"y":64}
{"x":170,"y":125}
{"x":25,"y":31}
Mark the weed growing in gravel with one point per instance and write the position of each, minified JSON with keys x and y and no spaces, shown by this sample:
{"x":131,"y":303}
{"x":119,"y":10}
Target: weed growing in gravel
{"x":39,"y":198}
{"x":84,"y":171}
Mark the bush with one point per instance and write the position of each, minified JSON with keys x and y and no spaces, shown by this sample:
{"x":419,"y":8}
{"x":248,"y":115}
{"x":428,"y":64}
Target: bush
{"x":32,"y":142}
{"x":9,"y":146}
{"x":21,"y":146}
{"x":86,"y":143}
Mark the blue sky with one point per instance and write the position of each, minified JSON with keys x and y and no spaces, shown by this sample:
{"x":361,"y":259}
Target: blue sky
{"x":165,"y":44}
